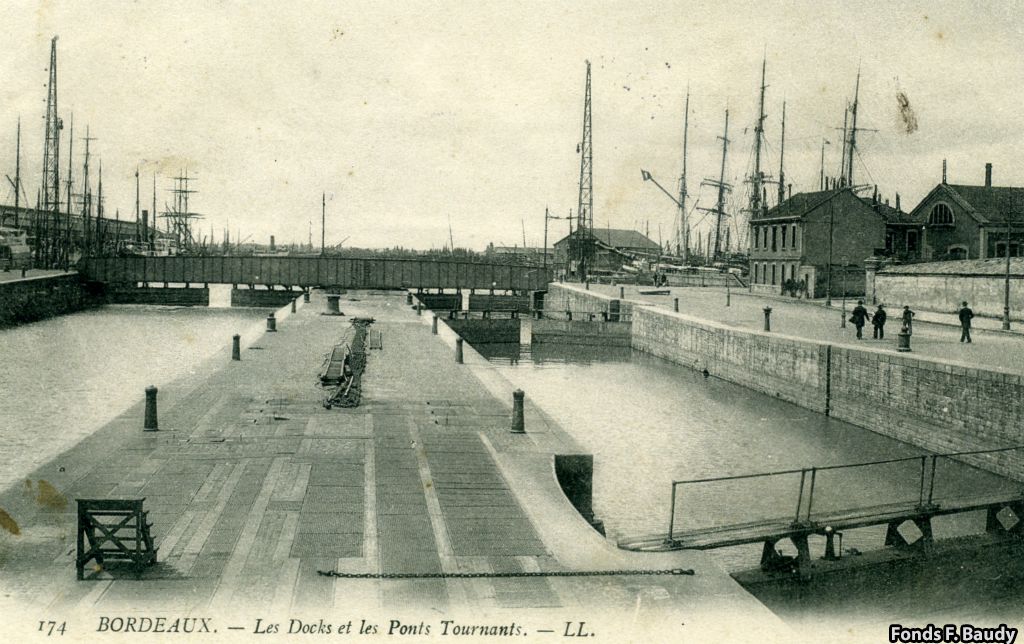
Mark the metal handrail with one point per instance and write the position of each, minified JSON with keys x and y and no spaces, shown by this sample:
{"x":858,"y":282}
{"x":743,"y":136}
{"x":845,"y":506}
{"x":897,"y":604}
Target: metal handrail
{"x":926,"y":472}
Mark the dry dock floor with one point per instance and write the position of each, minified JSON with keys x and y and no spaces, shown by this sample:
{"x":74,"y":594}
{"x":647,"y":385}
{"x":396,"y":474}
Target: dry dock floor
{"x":252,"y":487}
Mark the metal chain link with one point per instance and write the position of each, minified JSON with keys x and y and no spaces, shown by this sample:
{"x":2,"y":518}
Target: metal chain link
{"x":477,"y":575}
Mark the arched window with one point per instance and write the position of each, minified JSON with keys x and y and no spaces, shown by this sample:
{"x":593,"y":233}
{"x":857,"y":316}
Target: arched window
{"x":940,"y":215}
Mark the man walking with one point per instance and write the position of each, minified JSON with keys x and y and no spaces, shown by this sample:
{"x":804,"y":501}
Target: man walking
{"x":965,"y":315}
{"x":858,"y":317}
{"x":878,"y":321}
{"x":908,"y":320}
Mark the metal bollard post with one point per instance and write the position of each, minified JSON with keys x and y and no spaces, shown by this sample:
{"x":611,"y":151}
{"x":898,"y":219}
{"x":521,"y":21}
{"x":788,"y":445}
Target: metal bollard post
{"x":587,"y":284}
{"x":518,"y":424}
{"x":675,"y":304}
{"x":332,"y":305}
{"x":767,"y":318}
{"x":419,"y":308}
{"x":305,"y":296}
{"x":408,"y":298}
{"x":294,"y":303}
{"x":903,"y":340}
{"x":458,"y":350}
{"x":150,"y":424}
{"x":236,"y":347}
{"x":271,"y":323}
{"x":622,"y":292}
{"x":433,"y":325}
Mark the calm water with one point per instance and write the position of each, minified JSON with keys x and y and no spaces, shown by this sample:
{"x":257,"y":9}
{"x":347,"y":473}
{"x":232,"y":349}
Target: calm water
{"x":65,"y":377}
{"x":649,"y":422}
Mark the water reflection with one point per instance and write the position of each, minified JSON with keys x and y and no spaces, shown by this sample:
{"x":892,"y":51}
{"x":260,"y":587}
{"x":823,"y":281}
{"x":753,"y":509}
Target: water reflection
{"x":649,"y":422}
{"x":512,"y":353}
{"x":63,"y":378}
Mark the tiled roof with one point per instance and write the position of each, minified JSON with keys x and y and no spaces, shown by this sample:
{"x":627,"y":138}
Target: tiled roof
{"x":991,"y":266}
{"x":890,"y":214}
{"x":621,"y":238}
{"x":992,"y":204}
{"x":799,"y":204}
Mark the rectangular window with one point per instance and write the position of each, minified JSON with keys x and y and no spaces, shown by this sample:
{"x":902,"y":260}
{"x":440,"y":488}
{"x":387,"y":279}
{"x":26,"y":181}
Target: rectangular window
{"x":757,"y":274}
{"x":773,"y":274}
{"x":775,"y":236}
{"x":757,"y":236}
{"x":796,"y":246}
{"x":783,"y":238}
{"x":911,"y":241}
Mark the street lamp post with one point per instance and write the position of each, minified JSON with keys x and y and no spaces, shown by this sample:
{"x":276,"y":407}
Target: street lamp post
{"x":831,"y":226}
{"x":842,"y":320}
{"x":1006,"y":284}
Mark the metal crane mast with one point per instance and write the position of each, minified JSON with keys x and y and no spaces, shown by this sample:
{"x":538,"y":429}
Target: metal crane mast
{"x":683,"y":239}
{"x":585,"y":205}
{"x":51,"y":155}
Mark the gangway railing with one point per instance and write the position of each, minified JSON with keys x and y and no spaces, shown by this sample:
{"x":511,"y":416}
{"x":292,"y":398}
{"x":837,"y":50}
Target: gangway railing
{"x":1004,"y":508}
{"x":808,"y":483}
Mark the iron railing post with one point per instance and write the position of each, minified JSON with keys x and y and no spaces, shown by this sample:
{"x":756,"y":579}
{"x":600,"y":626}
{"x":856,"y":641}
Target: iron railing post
{"x":810,"y":494}
{"x":672,"y":514}
{"x":931,"y":486}
{"x":920,"y":494}
{"x":800,"y":496}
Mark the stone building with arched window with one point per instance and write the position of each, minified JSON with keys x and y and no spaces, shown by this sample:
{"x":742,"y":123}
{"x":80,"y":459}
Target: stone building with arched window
{"x":969,"y":222}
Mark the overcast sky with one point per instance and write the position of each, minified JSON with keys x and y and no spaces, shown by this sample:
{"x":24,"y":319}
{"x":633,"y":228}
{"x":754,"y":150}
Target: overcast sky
{"x":407,"y":113}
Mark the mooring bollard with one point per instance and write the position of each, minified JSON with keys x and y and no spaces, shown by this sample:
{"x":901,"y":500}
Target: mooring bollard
{"x":433,"y":325}
{"x":305,"y":296}
{"x":408,"y":298}
{"x":458,"y":350}
{"x":236,"y":347}
{"x":294,"y":304}
{"x":419,"y":308}
{"x":518,"y":424}
{"x":150,"y":424}
{"x":903,"y":340}
{"x":587,"y":285}
{"x":767,"y":318}
{"x":332,"y":305}
{"x":271,"y":323}
{"x":675,"y":304}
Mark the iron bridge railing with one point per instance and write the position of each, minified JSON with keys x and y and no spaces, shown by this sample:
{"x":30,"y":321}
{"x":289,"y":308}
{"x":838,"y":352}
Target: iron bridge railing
{"x":808,"y":481}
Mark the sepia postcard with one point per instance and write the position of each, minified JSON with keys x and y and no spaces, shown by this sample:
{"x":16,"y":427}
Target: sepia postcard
{"x":511,"y":321}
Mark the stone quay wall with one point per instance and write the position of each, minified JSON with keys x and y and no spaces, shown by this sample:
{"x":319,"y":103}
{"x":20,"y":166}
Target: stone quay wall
{"x":942,"y":286}
{"x":561,"y":298}
{"x":31,"y":299}
{"x":787,"y":368}
{"x":262,"y":297}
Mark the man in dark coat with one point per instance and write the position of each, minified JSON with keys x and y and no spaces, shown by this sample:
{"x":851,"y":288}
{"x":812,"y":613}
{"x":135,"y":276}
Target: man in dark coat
{"x":908,"y":320}
{"x":858,"y":317}
{"x":878,"y":321}
{"x":965,"y":315}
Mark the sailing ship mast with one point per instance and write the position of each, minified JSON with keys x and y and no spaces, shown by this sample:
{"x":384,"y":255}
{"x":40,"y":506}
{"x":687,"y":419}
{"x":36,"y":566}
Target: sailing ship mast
{"x":782,"y":155}
{"x":714,"y":250}
{"x":683,"y":233}
{"x":757,"y":179}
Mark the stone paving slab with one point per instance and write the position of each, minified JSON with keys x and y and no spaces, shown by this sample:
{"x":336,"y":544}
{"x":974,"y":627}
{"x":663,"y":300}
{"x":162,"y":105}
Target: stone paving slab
{"x":253,"y":487}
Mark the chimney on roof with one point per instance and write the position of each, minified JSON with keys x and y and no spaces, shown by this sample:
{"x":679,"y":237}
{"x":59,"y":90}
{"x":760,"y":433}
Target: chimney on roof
{"x":897,"y":201}
{"x":887,"y":203}
{"x":874,"y":195}
{"x":988,"y":175}
{"x":943,"y":171}
{"x":791,"y":191}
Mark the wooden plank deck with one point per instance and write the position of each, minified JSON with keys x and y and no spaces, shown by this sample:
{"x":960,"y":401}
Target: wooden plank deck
{"x":781,"y":528}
